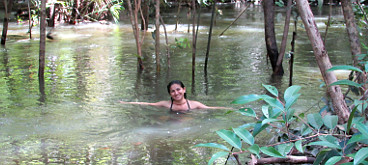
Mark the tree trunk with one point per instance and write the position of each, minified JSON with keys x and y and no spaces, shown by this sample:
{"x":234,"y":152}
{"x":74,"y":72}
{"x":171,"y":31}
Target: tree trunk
{"x":145,"y":9}
{"x":270,"y":37}
{"x":30,"y":23}
{"x":279,"y":69}
{"x":167,"y":42}
{"x":353,"y":37}
{"x":41,"y":68}
{"x":8,"y":6}
{"x":210,"y":35}
{"x":74,"y":13}
{"x":157,"y":42}
{"x":323,"y":60}
{"x":134,"y":21}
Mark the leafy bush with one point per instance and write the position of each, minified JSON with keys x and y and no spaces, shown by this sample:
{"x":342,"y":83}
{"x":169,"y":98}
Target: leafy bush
{"x":317,"y":136}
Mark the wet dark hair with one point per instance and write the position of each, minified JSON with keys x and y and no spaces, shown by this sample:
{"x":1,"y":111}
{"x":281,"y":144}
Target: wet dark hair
{"x":176,"y":82}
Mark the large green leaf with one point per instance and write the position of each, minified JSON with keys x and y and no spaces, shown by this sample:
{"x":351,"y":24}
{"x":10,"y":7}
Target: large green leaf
{"x":212,"y":145}
{"x":245,"y":135}
{"x":271,"y":89}
{"x":362,"y":128}
{"x":216,"y":156}
{"x":265,"y":121}
{"x":291,"y":91}
{"x":351,"y":116}
{"x":246,"y":99}
{"x":248,"y":112}
{"x":254,"y":149}
{"x":292,"y":99}
{"x":258,"y":128}
{"x":346,"y":82}
{"x":266,"y":111}
{"x":270,"y":151}
{"x":361,"y":155}
{"x":315,"y":120}
{"x":273,"y":102}
{"x":333,"y":160}
{"x":230,"y":137}
{"x":327,"y":141}
{"x":284,"y":149}
{"x":330,"y":121}
{"x":344,"y":67}
{"x":357,"y":138}
{"x":298,"y":146}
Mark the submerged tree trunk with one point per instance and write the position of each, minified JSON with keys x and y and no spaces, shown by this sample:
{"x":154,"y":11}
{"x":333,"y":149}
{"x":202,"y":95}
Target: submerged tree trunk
{"x":74,"y":12}
{"x":145,"y":9}
{"x":8,"y":6}
{"x":323,"y":60}
{"x":270,"y":37}
{"x":194,"y":45}
{"x":30,"y":23}
{"x":134,"y":20}
{"x":41,"y":67}
{"x":157,"y":39}
{"x":279,"y":69}
{"x":210,"y":35}
{"x":353,"y":37}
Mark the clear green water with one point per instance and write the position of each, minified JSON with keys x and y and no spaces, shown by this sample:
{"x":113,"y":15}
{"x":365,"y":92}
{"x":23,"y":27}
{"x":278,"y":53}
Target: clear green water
{"x":90,"y":67}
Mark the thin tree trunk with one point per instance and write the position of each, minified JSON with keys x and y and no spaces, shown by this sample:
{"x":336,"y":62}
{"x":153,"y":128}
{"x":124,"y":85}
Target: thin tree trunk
{"x":210,"y":35}
{"x":328,"y":22}
{"x":241,"y":13}
{"x":144,"y":25}
{"x":353,"y":37}
{"x":279,"y":70}
{"x":178,"y":16}
{"x":157,"y":40}
{"x":30,"y":23}
{"x":41,"y":68}
{"x":167,"y":42}
{"x":134,"y":21}
{"x":323,"y":60}
{"x":8,"y":6}
{"x":270,"y":37}
{"x":194,"y":45}
{"x":74,"y":12}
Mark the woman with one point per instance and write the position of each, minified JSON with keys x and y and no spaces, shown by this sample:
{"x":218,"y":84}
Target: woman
{"x":179,"y":101}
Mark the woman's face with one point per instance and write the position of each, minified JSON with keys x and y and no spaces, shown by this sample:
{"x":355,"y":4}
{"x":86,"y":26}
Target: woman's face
{"x":177,"y":92}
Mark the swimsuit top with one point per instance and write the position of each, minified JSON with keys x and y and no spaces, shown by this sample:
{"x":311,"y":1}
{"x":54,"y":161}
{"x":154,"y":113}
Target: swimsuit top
{"x":172,"y":105}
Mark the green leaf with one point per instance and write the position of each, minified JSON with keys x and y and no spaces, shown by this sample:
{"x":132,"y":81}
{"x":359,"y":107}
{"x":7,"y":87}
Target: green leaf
{"x":273,"y":102}
{"x":344,"y":67}
{"x":327,"y":141}
{"x":333,"y":160}
{"x":362,"y":128}
{"x":258,"y":128}
{"x":254,"y":149}
{"x":315,"y":120}
{"x":298,"y":146}
{"x":246,"y":99}
{"x":216,"y":156}
{"x":292,"y":99}
{"x":230,"y":137}
{"x":265,"y":121}
{"x":245,"y":135}
{"x":271,"y":89}
{"x":212,"y":145}
{"x":284,"y":149}
{"x":330,"y":121}
{"x":357,"y":138}
{"x":291,"y":91}
{"x":361,"y":155}
{"x":270,"y":151}
{"x":248,"y":112}
{"x":346,"y":82}
{"x":350,"y":120}
{"x":305,"y":130}
{"x":265,"y":111}
{"x":290,"y":113}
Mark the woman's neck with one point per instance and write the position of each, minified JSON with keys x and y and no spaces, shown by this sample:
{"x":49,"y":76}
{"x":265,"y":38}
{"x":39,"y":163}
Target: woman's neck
{"x":180,"y":102}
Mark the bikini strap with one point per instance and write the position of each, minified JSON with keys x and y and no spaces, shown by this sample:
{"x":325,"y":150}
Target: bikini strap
{"x":188,"y":104}
{"x":171,"y":105}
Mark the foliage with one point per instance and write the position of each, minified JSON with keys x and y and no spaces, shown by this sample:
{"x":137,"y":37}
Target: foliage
{"x":319,"y":134}
{"x":182,"y":43}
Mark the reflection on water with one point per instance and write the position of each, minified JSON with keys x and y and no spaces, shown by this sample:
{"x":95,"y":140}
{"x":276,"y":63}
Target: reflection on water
{"x":90,"y":67}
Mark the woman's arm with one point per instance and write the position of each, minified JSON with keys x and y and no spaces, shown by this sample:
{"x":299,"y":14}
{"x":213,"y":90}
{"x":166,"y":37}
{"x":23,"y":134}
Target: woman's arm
{"x":157,"y":104}
{"x":199,"y":105}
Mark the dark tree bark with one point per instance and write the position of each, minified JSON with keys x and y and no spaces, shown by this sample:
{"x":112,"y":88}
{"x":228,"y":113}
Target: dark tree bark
{"x":74,"y":12}
{"x":270,"y":37}
{"x":30,"y":23}
{"x":167,"y":41}
{"x":323,"y":60}
{"x":8,"y":4}
{"x":353,"y":37}
{"x":279,"y":69}
{"x":134,"y":20}
{"x":157,"y":39}
{"x":210,"y":35}
{"x":41,"y":68}
{"x":145,"y":9}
